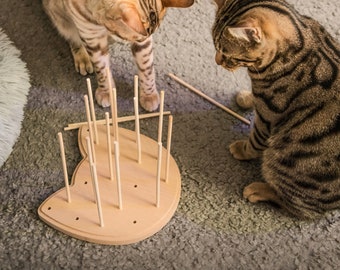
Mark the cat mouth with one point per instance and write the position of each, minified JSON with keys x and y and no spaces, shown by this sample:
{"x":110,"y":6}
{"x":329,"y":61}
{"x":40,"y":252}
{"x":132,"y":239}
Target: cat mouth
{"x":233,"y":66}
{"x":141,"y":39}
{"x":228,"y":66}
{"x":225,"y":63}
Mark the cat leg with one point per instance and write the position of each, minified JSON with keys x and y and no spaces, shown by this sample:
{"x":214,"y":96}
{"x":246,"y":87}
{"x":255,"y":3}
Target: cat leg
{"x":82,"y":61}
{"x":242,"y":150}
{"x":98,"y":50}
{"x":100,"y":64}
{"x":255,"y":145}
{"x":245,"y":100}
{"x":66,"y":27}
{"x":260,"y":191}
{"x":143,"y":55}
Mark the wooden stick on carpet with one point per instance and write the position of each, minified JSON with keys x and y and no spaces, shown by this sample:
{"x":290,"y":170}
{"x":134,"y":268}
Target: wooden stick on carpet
{"x":198,"y":92}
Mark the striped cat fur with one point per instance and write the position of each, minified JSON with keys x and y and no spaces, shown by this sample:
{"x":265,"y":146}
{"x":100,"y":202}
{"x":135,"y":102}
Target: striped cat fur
{"x":293,"y":64}
{"x":88,"y":25}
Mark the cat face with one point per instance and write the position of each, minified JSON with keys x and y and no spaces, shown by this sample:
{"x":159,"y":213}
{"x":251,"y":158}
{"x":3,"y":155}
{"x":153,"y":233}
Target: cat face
{"x":239,"y":46}
{"x":152,"y":12}
{"x":135,"y":20}
{"x":253,"y":38}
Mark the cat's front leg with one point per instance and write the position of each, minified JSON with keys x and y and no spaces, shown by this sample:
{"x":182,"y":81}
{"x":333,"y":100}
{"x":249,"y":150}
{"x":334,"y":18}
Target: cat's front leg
{"x":259,"y":192}
{"x":256,"y":143}
{"x":143,"y":55}
{"x":82,"y":61}
{"x":102,"y":92}
{"x":100,"y":57}
{"x":242,"y":150}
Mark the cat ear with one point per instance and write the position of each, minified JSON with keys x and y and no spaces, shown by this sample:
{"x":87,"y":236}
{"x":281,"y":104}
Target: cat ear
{"x":177,"y":3}
{"x":247,"y":33}
{"x":130,"y":17}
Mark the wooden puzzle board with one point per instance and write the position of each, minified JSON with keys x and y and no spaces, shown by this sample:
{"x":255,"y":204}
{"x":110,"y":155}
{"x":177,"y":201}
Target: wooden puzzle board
{"x":139,"y":217}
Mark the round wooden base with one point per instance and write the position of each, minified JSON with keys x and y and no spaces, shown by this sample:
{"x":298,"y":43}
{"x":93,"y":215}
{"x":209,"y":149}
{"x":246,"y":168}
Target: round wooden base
{"x":139,"y":216}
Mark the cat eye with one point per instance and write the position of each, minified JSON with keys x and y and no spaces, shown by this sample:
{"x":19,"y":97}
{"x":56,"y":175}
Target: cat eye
{"x":244,"y":60}
{"x":153,"y":18}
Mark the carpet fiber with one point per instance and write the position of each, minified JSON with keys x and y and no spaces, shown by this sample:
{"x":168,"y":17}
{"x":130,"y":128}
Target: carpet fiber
{"x":213,"y":227}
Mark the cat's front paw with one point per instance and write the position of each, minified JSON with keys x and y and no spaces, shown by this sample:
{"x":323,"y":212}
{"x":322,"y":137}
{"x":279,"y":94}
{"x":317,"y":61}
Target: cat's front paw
{"x":241,"y":151}
{"x":82,"y":61}
{"x":103,"y":97}
{"x":245,"y":100}
{"x":258,"y":192}
{"x":150,"y":102}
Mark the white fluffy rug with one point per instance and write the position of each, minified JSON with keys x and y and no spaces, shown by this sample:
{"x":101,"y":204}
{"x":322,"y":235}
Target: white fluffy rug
{"x":14,"y":86}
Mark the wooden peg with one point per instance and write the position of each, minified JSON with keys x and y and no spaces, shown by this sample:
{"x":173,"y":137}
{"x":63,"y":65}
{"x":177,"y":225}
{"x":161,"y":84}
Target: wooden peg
{"x":63,"y":159}
{"x":198,"y":92}
{"x":109,"y":145}
{"x":119,"y":186}
{"x":158,"y":180}
{"x":89,"y":123}
{"x":168,"y":147}
{"x":94,"y":177}
{"x":137,"y":130}
{"x":161,"y":110}
{"x":93,"y":113}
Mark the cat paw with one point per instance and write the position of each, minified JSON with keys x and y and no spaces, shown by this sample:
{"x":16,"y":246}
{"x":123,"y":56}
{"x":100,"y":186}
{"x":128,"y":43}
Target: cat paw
{"x":82,"y":61}
{"x":150,"y":102}
{"x":103,"y":98}
{"x":240,"y":151}
{"x":258,"y":192}
{"x":244,"y":99}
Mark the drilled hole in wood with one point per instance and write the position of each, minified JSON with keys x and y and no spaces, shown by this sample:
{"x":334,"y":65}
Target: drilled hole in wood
{"x":85,"y":182}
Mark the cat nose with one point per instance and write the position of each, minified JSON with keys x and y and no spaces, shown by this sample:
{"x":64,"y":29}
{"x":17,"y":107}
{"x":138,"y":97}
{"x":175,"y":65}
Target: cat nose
{"x":218,"y":58}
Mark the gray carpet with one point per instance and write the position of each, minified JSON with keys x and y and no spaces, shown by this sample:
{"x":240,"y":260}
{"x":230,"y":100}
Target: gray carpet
{"x":213,"y":227}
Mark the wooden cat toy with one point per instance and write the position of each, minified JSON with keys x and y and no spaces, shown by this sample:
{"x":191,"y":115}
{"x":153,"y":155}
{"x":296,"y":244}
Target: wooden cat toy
{"x":127,"y":186}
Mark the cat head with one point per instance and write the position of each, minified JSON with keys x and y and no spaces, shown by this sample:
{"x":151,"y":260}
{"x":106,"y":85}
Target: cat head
{"x":240,"y":45}
{"x":252,"y":37}
{"x":135,"y":20}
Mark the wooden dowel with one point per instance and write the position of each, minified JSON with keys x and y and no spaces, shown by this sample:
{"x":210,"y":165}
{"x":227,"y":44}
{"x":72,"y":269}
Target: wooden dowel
{"x":98,"y":201}
{"x":112,"y":111}
{"x":87,"y":108}
{"x":168,"y":146}
{"x":113,"y":102}
{"x":94,"y":177}
{"x":137,"y":129}
{"x":63,"y":159}
{"x":115,"y":116}
{"x":119,"y":188}
{"x":198,"y":92}
{"x":158,"y":180}
{"x":120,"y":120}
{"x":93,"y":114}
{"x":160,"y":123}
{"x":109,"y":146}
{"x":136,"y":87}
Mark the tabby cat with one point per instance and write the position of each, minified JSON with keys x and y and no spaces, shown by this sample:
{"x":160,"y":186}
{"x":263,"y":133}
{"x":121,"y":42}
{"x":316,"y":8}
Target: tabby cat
{"x":88,"y":24}
{"x":294,"y":68}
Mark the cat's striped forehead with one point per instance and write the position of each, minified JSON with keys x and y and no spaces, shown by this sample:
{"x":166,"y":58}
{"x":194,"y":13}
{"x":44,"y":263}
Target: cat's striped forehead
{"x":230,"y":12}
{"x":150,"y":6}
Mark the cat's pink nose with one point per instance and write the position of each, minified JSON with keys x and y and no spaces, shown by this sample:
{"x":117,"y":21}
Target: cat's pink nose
{"x":218,"y":58}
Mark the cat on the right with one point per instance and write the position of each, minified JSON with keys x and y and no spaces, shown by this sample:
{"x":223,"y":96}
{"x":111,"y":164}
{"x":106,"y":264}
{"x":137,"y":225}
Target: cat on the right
{"x":294,"y":67}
